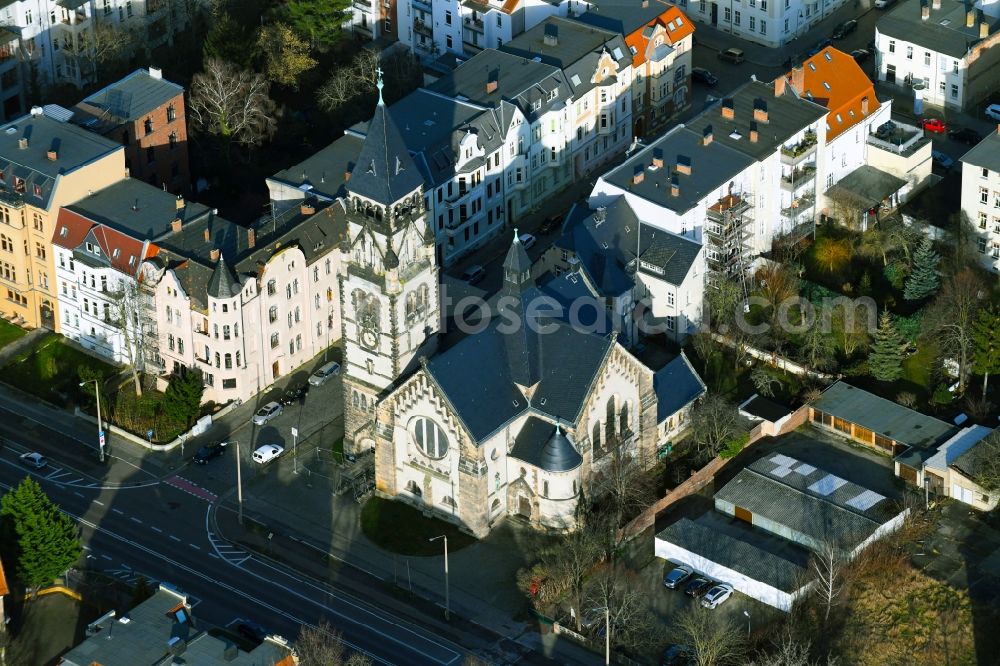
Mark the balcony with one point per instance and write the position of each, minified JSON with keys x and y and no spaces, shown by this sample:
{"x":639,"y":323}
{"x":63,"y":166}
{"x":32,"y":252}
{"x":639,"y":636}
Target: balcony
{"x":424,"y":5}
{"x":798,"y":152}
{"x":474,"y":24}
{"x":423,"y":27}
{"x":799,"y":207}
{"x":802,"y":174}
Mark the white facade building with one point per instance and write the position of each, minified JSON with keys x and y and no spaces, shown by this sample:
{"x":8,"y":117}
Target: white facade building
{"x":771,"y":23}
{"x":981,"y":198}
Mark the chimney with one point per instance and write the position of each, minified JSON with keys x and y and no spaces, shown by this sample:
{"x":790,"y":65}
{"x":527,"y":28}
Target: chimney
{"x":214,"y":254}
{"x":984,"y":27}
{"x":179,"y":203}
{"x":675,"y":186}
{"x":684,"y":165}
{"x":37,"y":111}
{"x":551,"y":37}
{"x":798,"y":79}
{"x":864,"y":105}
{"x":754,"y":135}
{"x":347,"y":176}
{"x":925,"y":10}
{"x":251,"y":238}
{"x":936,"y":5}
{"x":727,"y":108}
{"x":176,"y":225}
{"x":307,"y":209}
{"x":760,"y":110}
{"x":779,"y":85}
{"x":657,"y":158}
{"x":638,"y":174}
{"x":22,"y":143}
{"x":706,"y":135}
{"x":53,"y":155}
{"x":492,"y":82}
{"x":155,"y":73}
{"x":645,"y":4}
{"x":970,"y":17}
{"x":208,"y":235}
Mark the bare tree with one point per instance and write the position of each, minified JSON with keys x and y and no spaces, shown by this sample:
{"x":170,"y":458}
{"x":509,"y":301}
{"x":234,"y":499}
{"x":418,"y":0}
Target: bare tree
{"x":129,"y":314}
{"x":715,"y":422}
{"x":570,"y":561}
{"x":790,"y":652}
{"x":986,"y":463}
{"x":714,"y":640}
{"x":103,"y":44}
{"x":952,"y":317}
{"x":632,"y":625}
{"x":704,"y":345}
{"x":847,"y":207}
{"x":322,"y":646}
{"x":763,"y":381}
{"x":232,"y":104}
{"x":828,"y":567}
{"x":624,"y":487}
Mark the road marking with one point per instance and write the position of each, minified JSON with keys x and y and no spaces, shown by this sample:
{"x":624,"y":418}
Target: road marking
{"x":190,"y":488}
{"x":156,"y":529}
{"x":99,"y":502}
{"x":215,"y":556}
{"x":105,"y":557}
{"x":119,"y":512}
{"x":194,"y":546}
{"x":77,"y":494}
{"x":174,"y":538}
{"x":135,"y":520}
{"x":85,"y":547}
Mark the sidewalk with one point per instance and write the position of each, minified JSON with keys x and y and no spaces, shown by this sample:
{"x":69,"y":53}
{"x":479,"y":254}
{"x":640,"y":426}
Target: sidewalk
{"x":329,"y":537}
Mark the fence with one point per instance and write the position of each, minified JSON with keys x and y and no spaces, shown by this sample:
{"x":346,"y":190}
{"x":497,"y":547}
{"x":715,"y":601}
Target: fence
{"x":776,"y":360}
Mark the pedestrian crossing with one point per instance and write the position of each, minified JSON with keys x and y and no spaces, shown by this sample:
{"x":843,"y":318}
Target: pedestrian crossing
{"x":190,"y":488}
{"x":224,"y":550}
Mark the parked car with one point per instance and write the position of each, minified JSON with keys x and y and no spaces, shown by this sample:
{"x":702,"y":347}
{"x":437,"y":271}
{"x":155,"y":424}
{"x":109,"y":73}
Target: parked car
{"x":208,"y":452}
{"x":698,"y":586}
{"x":883,"y":4}
{"x":267,"y":453}
{"x":734,"y":56}
{"x":717,"y":595}
{"x":474,"y":274}
{"x":844,"y":29}
{"x":942,"y":160}
{"x":324,"y":372}
{"x":935,"y":125}
{"x":34,"y":459}
{"x":677,"y":576}
{"x":678,"y":655}
{"x":965,"y":135}
{"x":860,"y":55}
{"x":294,"y":394}
{"x":993,"y":111}
{"x":704,"y":76}
{"x":266,"y":413}
{"x":822,"y":44}
{"x":550,"y":224}
{"x":527,"y":240}
{"x":251,"y":631}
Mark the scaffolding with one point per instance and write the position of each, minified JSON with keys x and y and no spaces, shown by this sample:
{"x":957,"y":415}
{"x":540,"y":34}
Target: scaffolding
{"x":728,"y":237}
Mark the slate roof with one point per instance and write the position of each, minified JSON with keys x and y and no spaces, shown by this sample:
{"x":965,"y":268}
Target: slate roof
{"x":544,"y":445}
{"x":868,"y":184}
{"x":623,"y":16}
{"x":738,"y":554}
{"x":882,"y":416}
{"x":676,"y":385}
{"x":713,"y":166}
{"x":323,"y":173}
{"x":520,"y":81}
{"x":944,"y":32}
{"x":787,"y":115}
{"x":223,"y":283}
{"x":125,"y":101}
{"x":835,"y":80}
{"x":572,"y":289}
{"x":75,"y":148}
{"x":384,"y":171}
{"x":986,"y":153}
{"x":559,"y":361}
{"x":137,"y":208}
{"x":577,"y":51}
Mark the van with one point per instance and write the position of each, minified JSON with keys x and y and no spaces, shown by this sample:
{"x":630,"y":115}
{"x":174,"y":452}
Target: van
{"x":734,"y":56}
{"x":474,"y":274}
{"x":324,"y":373}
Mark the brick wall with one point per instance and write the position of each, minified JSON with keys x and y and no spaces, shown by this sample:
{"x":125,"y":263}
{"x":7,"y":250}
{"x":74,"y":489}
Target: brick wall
{"x":161,"y":169}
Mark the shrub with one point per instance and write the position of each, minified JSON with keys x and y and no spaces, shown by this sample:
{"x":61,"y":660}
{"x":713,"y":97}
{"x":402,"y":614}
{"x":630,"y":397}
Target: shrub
{"x":942,"y":396}
{"x":734,"y":446}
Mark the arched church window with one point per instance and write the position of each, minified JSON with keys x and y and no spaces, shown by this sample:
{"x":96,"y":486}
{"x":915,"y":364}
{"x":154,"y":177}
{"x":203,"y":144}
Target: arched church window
{"x":609,"y":421}
{"x":412,"y":487}
{"x":597,"y":436}
{"x":623,"y":418}
{"x":429,"y":437}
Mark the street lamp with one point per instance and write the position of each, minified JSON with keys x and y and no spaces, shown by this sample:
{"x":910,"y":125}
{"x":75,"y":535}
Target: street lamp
{"x":100,"y":430}
{"x":239,"y":483}
{"x":447,"y":593}
{"x":747,"y":613}
{"x":607,"y":636}
{"x":295,"y":450}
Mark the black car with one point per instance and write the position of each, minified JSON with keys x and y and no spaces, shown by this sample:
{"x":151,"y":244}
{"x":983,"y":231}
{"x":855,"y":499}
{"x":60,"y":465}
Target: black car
{"x":209,"y":451}
{"x":844,"y":29}
{"x":965,"y":135}
{"x":550,"y":224}
{"x":819,"y":47}
{"x":703,"y":75}
{"x":698,"y":587}
{"x":293,"y":395}
{"x":860,"y":55}
{"x":251,"y":631}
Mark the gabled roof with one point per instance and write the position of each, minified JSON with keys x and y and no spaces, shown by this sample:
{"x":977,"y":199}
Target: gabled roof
{"x":676,"y":385}
{"x":676,"y":27}
{"x":125,"y":101}
{"x":121,"y":251}
{"x":835,"y":80}
{"x":385,"y":172}
{"x":945,"y":31}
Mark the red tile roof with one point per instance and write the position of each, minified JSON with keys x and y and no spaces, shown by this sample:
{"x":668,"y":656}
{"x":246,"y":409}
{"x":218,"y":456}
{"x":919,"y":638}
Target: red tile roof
{"x":638,"y":43}
{"x":122,"y":250}
{"x":833,"y":78}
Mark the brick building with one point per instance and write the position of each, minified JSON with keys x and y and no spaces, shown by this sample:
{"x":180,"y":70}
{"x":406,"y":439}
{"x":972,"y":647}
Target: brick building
{"x":146,"y":114}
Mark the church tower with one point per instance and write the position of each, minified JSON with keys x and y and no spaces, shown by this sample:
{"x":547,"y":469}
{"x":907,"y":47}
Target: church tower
{"x":389,"y":288}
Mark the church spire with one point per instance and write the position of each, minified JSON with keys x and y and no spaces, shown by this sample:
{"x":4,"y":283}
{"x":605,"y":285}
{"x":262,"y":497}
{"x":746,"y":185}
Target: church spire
{"x":379,"y":84}
{"x":516,"y":268}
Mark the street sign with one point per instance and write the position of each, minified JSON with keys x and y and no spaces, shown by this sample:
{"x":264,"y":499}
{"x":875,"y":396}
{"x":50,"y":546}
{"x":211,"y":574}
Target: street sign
{"x":295,"y":432}
{"x":101,"y":439}
{"x":665,"y":450}
{"x":149,"y":434}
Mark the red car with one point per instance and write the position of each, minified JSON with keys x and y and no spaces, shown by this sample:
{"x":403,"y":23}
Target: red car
{"x":935,"y":125}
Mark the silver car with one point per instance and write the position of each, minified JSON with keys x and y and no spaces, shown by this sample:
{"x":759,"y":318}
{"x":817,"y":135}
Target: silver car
{"x":34,"y":459}
{"x":266,"y":413}
{"x":717,"y":595}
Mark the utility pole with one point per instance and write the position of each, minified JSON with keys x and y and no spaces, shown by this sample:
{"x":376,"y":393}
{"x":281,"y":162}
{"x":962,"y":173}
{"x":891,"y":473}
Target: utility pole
{"x":295,"y":450}
{"x":447,"y":593}
{"x":100,"y":430}
{"x":239,"y":483}
{"x":607,"y":636}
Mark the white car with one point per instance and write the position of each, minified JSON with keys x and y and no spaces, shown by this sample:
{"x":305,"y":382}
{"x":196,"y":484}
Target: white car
{"x":267,"y":453}
{"x":527,"y":240}
{"x":266,"y":413}
{"x":324,"y":373}
{"x":993,"y":111}
{"x":34,"y":459}
{"x":717,"y":595}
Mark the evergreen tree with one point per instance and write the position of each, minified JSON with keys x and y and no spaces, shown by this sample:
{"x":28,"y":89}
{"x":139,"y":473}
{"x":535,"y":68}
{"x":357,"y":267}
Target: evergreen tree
{"x":45,"y":539}
{"x":318,"y":21}
{"x":885,"y":362}
{"x":182,"y":399}
{"x":228,"y":40}
{"x":924,"y":279}
{"x":986,"y":344}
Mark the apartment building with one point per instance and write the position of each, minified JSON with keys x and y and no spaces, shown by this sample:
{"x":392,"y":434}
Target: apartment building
{"x":659,"y":38}
{"x":771,"y":23}
{"x":13,"y":84}
{"x":45,"y":164}
{"x":946,"y":51}
{"x":145,"y":112}
{"x":981,"y":198}
{"x":54,"y":34}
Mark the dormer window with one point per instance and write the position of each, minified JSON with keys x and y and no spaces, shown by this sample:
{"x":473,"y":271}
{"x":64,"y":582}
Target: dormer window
{"x":38,"y":190}
{"x":18,"y":184}
{"x":64,"y":231}
{"x":115,"y":254}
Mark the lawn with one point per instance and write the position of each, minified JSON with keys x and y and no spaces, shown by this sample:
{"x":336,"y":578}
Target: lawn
{"x":402,"y":529}
{"x":46,"y":628}
{"x":9,"y":333}
{"x":50,"y":370}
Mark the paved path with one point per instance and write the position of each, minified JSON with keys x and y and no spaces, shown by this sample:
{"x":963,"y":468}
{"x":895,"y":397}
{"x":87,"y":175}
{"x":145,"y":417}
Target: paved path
{"x":22,"y":343}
